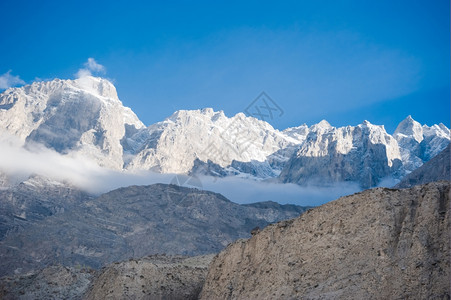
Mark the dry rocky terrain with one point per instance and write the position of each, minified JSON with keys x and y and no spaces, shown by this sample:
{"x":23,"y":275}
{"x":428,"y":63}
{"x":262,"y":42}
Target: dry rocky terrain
{"x":152,"y":277}
{"x":155,"y":277}
{"x":377,"y":244}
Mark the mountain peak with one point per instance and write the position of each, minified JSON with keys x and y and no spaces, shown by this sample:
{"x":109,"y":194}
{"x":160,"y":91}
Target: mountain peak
{"x":208,"y":113}
{"x":410,"y":128}
{"x":97,"y":86}
{"x":322,"y":125}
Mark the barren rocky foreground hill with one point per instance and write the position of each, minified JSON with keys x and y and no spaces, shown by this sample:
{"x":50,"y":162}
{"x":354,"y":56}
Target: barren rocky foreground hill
{"x":151,"y":277}
{"x":377,"y":244}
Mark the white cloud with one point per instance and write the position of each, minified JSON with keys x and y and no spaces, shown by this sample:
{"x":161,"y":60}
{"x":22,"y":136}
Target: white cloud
{"x":20,"y":162}
{"x":243,"y":191}
{"x":7,"y":80}
{"x":90,"y":67}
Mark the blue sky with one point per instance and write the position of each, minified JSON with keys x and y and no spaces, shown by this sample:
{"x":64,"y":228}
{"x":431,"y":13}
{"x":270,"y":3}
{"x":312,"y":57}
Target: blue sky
{"x":344,"y":61}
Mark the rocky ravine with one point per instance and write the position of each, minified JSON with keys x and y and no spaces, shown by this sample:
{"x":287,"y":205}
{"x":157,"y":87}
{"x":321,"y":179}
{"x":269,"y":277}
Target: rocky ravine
{"x":378,"y":244}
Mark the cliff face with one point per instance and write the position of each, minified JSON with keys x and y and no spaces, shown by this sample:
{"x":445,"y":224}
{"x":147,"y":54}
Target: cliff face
{"x":365,"y":154}
{"x":154,"y":277}
{"x":378,"y":244}
{"x":438,"y":168}
{"x":151,"y":277}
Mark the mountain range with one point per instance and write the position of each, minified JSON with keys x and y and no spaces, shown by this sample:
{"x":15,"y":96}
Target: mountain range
{"x":45,"y":223}
{"x":377,"y":244}
{"x":84,"y":118}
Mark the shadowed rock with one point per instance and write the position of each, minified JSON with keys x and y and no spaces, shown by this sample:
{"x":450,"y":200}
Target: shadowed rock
{"x":438,"y":168}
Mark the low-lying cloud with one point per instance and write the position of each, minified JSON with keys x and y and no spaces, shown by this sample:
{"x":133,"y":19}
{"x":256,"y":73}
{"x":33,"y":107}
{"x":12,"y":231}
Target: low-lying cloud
{"x":20,"y":162}
{"x":248,"y":191}
{"x":7,"y":80}
{"x":90,"y":67}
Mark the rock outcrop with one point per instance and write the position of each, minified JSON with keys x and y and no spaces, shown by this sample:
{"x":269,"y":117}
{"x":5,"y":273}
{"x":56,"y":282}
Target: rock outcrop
{"x":438,"y":168}
{"x":155,"y":277}
{"x":82,"y":116}
{"x":152,"y":277}
{"x":55,"y":282}
{"x":377,"y":244}
{"x":419,"y":143}
{"x":365,"y":154}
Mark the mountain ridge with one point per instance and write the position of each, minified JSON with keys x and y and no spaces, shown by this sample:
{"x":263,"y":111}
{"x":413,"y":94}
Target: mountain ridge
{"x":377,"y":244}
{"x":85,"y":118}
{"x":127,"y":222}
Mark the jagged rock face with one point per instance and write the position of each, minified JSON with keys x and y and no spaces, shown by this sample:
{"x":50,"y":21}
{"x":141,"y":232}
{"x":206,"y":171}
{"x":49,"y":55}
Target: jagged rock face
{"x":85,"y":118}
{"x":418,"y":143}
{"x":173,"y":145}
{"x":436,"y":138}
{"x":154,"y":277}
{"x":438,"y":168}
{"x":82,"y":116}
{"x":364,"y":154}
{"x":134,"y":222}
{"x":378,"y":244}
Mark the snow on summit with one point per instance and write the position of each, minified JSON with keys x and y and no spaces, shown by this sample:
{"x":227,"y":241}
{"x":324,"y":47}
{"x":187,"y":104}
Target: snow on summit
{"x":85,"y":118}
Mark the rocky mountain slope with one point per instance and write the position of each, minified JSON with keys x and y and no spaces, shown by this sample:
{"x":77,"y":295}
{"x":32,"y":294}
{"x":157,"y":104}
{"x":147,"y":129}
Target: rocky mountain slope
{"x":151,"y":277}
{"x":438,"y":168}
{"x":365,"y":154}
{"x":55,"y":282}
{"x":419,"y":143}
{"x":155,"y":277}
{"x":207,"y":135}
{"x":84,"y":118}
{"x":33,"y":200}
{"x":377,"y":244}
{"x":134,"y":222}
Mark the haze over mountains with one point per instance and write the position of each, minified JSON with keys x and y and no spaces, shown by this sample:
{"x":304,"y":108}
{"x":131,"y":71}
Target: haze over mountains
{"x":84,"y":121}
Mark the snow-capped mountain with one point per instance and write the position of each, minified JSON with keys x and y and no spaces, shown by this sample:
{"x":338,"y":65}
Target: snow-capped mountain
{"x":75,"y":117}
{"x":172,"y":146}
{"x":365,"y":153}
{"x":419,"y":143}
{"x":85,"y":118}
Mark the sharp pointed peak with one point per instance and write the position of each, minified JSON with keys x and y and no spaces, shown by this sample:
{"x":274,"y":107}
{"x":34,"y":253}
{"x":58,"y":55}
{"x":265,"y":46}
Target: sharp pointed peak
{"x":323,"y":123}
{"x":409,"y":119}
